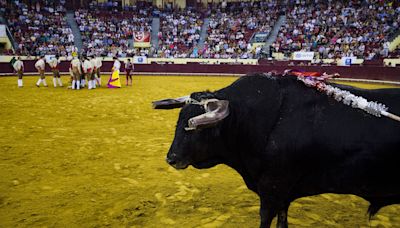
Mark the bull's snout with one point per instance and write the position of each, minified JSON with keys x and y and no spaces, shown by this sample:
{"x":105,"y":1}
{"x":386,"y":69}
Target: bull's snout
{"x":171,"y":159}
{"x":175,"y":162}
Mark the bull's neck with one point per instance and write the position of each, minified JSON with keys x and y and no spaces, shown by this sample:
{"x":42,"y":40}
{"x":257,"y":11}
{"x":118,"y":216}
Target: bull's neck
{"x":247,"y":132}
{"x":239,"y":152}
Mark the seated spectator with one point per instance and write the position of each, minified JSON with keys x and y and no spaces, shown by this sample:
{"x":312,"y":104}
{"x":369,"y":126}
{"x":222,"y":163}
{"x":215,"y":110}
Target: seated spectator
{"x":230,"y":31}
{"x":337,"y":29}
{"x":108,"y":33}
{"x":40,"y":31}
{"x":179,"y":34}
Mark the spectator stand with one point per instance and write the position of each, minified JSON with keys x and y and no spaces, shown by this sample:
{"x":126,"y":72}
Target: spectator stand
{"x":40,"y":30}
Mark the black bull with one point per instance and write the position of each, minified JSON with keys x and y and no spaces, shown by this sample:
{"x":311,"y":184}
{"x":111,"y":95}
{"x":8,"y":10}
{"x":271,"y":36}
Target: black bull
{"x":289,"y":141}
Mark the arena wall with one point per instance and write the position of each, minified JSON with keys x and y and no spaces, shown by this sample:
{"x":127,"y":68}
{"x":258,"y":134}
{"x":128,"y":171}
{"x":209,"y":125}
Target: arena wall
{"x":372,"y":72}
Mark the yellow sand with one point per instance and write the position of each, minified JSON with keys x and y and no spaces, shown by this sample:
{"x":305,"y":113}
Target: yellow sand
{"x":97,"y":159}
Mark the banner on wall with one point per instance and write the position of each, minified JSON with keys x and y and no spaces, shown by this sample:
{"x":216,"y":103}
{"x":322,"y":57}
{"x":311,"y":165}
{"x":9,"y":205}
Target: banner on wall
{"x":139,"y":60}
{"x":303,"y":55}
{"x":141,"y":39}
{"x":346,"y":61}
{"x":48,"y":57}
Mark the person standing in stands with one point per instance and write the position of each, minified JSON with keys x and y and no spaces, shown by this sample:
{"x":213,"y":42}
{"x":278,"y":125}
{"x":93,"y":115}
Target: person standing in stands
{"x":128,"y":69}
{"x":18,"y":66}
{"x":114,"y":81}
{"x":53,"y":63}
{"x":40,"y":66}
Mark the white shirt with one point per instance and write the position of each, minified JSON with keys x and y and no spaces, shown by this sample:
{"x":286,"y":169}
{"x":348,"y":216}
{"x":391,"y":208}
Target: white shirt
{"x":87,"y":66}
{"x":117,"y":65}
{"x":40,"y":65}
{"x":98,"y":63}
{"x":75,"y":63}
{"x":18,"y":65}
{"x":53,"y":63}
{"x":94,"y":63}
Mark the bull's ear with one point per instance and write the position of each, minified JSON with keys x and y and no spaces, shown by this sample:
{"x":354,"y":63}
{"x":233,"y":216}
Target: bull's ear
{"x":216,"y":111}
{"x":170,"y":103}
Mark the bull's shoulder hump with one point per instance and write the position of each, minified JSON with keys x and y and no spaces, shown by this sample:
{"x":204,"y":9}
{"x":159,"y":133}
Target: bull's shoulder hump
{"x":251,"y":81}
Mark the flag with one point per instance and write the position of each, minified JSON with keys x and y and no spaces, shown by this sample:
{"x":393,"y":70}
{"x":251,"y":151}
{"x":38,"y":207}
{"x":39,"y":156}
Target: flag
{"x":141,"y":39}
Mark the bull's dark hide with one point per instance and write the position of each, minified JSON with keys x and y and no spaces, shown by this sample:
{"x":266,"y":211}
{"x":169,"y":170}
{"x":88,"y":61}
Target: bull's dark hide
{"x":289,"y":141}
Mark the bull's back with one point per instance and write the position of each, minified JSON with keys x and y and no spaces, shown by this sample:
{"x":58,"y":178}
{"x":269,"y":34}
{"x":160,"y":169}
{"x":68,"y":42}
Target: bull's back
{"x":350,"y":150}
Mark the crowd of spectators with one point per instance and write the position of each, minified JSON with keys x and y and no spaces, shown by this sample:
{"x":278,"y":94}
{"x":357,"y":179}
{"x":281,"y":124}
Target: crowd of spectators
{"x":179,"y":33}
{"x":335,"y":29}
{"x":110,"y":33}
{"x":41,"y":29}
{"x":332,"y":29}
{"x":232,"y":26}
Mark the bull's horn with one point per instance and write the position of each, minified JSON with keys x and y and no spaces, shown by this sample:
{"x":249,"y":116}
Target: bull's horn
{"x":216,"y":111}
{"x":171,"y":103}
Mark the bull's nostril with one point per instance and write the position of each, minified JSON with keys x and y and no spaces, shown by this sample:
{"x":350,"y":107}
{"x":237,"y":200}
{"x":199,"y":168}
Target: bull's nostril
{"x":171,"y":161}
{"x":171,"y":158}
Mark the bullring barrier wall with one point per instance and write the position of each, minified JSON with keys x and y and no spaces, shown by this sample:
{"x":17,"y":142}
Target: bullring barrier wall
{"x":372,"y":72}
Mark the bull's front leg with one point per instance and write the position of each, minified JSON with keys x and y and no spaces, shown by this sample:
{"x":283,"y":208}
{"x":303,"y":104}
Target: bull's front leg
{"x":267,"y":212}
{"x":270,"y":209}
{"x":282,"y":217}
{"x":275,"y":200}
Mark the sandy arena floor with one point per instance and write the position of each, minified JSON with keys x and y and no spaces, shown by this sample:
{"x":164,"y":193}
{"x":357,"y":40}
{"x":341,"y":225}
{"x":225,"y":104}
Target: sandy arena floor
{"x":97,"y":159}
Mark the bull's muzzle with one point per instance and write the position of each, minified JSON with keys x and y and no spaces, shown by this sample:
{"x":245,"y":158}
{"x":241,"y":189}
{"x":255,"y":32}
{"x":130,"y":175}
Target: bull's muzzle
{"x":173,"y":161}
